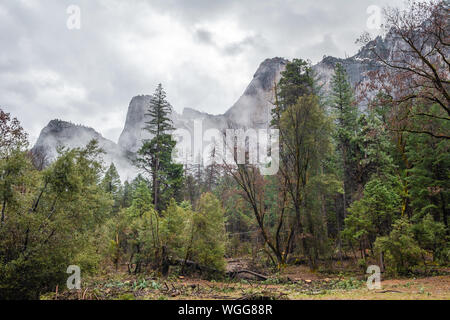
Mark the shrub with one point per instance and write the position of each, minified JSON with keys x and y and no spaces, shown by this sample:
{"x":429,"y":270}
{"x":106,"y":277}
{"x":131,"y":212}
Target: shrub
{"x":208,"y":237}
{"x":401,"y":250}
{"x":431,"y":236}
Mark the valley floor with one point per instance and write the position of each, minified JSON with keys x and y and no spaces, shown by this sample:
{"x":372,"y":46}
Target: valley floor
{"x":294,"y":283}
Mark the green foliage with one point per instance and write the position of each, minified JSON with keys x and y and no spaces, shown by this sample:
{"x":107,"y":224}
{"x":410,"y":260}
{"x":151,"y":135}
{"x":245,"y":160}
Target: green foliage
{"x":429,"y":175}
{"x":208,"y":233}
{"x":345,"y":112}
{"x":344,"y":108}
{"x":145,"y":238}
{"x":431,"y":235}
{"x":112,"y":185}
{"x":48,"y":217}
{"x":13,"y":137}
{"x":305,"y":140}
{"x":174,"y":229}
{"x":381,"y":203}
{"x":142,"y":234}
{"x":111,"y":181}
{"x":297,"y":80}
{"x":373,"y":214}
{"x":401,"y":251}
{"x":158,"y":113}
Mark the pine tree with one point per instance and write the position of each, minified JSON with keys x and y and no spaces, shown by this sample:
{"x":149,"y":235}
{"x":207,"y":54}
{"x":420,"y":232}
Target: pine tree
{"x":346,"y":114}
{"x":126,"y":195}
{"x":298,"y":79}
{"x":155,"y":156}
{"x":428,"y":177}
{"x":111,"y":182}
{"x":159,"y":111}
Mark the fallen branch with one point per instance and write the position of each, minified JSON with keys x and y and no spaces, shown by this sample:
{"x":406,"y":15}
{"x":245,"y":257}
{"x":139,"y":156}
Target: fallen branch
{"x":233,"y":274}
{"x":193,"y":264}
{"x":386,"y":291}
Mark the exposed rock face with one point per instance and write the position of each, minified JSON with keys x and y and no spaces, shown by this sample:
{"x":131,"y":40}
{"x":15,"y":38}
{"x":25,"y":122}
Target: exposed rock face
{"x":133,"y":133}
{"x":253,"y":107}
{"x":358,"y":65}
{"x":252,"y":110}
{"x":60,"y":133}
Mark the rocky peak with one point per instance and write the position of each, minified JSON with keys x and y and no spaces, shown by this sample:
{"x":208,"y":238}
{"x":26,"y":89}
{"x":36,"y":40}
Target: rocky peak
{"x":59,"y":133}
{"x":268,"y":72}
{"x":253,"y":107}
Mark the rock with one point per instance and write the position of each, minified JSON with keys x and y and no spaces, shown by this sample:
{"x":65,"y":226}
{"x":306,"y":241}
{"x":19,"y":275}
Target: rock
{"x":252,"y":110}
{"x":60,"y":133}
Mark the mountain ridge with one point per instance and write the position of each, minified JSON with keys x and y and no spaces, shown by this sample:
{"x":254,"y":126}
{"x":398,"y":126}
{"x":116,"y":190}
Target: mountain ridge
{"x":251,"y":110}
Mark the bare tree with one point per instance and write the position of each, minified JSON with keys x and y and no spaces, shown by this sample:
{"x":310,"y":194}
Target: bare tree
{"x":417,"y":69}
{"x":253,"y":184}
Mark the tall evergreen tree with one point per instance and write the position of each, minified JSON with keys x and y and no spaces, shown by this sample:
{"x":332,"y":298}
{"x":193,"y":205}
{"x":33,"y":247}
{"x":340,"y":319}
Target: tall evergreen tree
{"x":346,"y":113}
{"x":298,"y":79}
{"x":155,"y":156}
{"x":159,"y":111}
{"x":111,"y":182}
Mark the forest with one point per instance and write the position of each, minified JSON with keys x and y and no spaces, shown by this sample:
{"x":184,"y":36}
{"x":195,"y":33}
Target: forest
{"x":363,"y":180}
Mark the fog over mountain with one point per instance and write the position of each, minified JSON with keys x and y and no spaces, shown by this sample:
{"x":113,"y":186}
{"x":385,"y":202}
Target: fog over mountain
{"x":251,"y":110}
{"x":204,"y":52}
{"x":65,"y":134}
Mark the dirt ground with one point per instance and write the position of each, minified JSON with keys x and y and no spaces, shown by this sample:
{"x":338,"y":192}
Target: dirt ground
{"x":294,"y":283}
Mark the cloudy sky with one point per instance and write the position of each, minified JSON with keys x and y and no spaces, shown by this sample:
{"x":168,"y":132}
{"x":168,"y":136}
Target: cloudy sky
{"x":205,"y":52}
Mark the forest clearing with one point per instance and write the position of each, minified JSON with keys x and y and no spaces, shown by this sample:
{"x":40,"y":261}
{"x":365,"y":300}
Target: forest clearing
{"x":293,"y":283}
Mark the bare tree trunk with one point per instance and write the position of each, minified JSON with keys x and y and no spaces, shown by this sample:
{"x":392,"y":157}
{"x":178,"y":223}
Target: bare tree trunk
{"x":3,"y":210}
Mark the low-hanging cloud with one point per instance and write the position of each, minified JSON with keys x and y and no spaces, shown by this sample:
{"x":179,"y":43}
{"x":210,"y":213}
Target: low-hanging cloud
{"x":204,"y":52}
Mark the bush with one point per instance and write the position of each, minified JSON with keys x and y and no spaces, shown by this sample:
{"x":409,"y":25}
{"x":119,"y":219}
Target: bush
{"x":431,"y":236}
{"x":400,"y":249}
{"x":208,"y":237}
{"x":47,"y":222}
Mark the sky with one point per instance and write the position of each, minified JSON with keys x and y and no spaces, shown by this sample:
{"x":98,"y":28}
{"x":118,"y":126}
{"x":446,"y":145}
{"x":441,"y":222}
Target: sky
{"x":204,"y":52}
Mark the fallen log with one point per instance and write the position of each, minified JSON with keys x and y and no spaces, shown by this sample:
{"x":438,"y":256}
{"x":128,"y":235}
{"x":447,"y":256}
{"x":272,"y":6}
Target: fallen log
{"x":194,"y":265}
{"x":233,"y":274}
{"x":230,"y":274}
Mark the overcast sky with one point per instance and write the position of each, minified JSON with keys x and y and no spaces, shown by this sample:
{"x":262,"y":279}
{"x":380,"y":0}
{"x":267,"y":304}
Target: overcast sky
{"x":205,"y":52}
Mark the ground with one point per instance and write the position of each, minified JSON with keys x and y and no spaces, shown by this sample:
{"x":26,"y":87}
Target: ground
{"x":293,"y":283}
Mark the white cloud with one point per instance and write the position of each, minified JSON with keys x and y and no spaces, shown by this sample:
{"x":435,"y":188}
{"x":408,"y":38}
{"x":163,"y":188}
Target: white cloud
{"x":204,"y":52}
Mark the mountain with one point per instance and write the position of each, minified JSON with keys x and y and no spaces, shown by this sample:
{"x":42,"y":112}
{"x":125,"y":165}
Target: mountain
{"x":252,"y":110}
{"x":60,"y":133}
{"x":253,"y":107}
{"x":358,"y":65}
